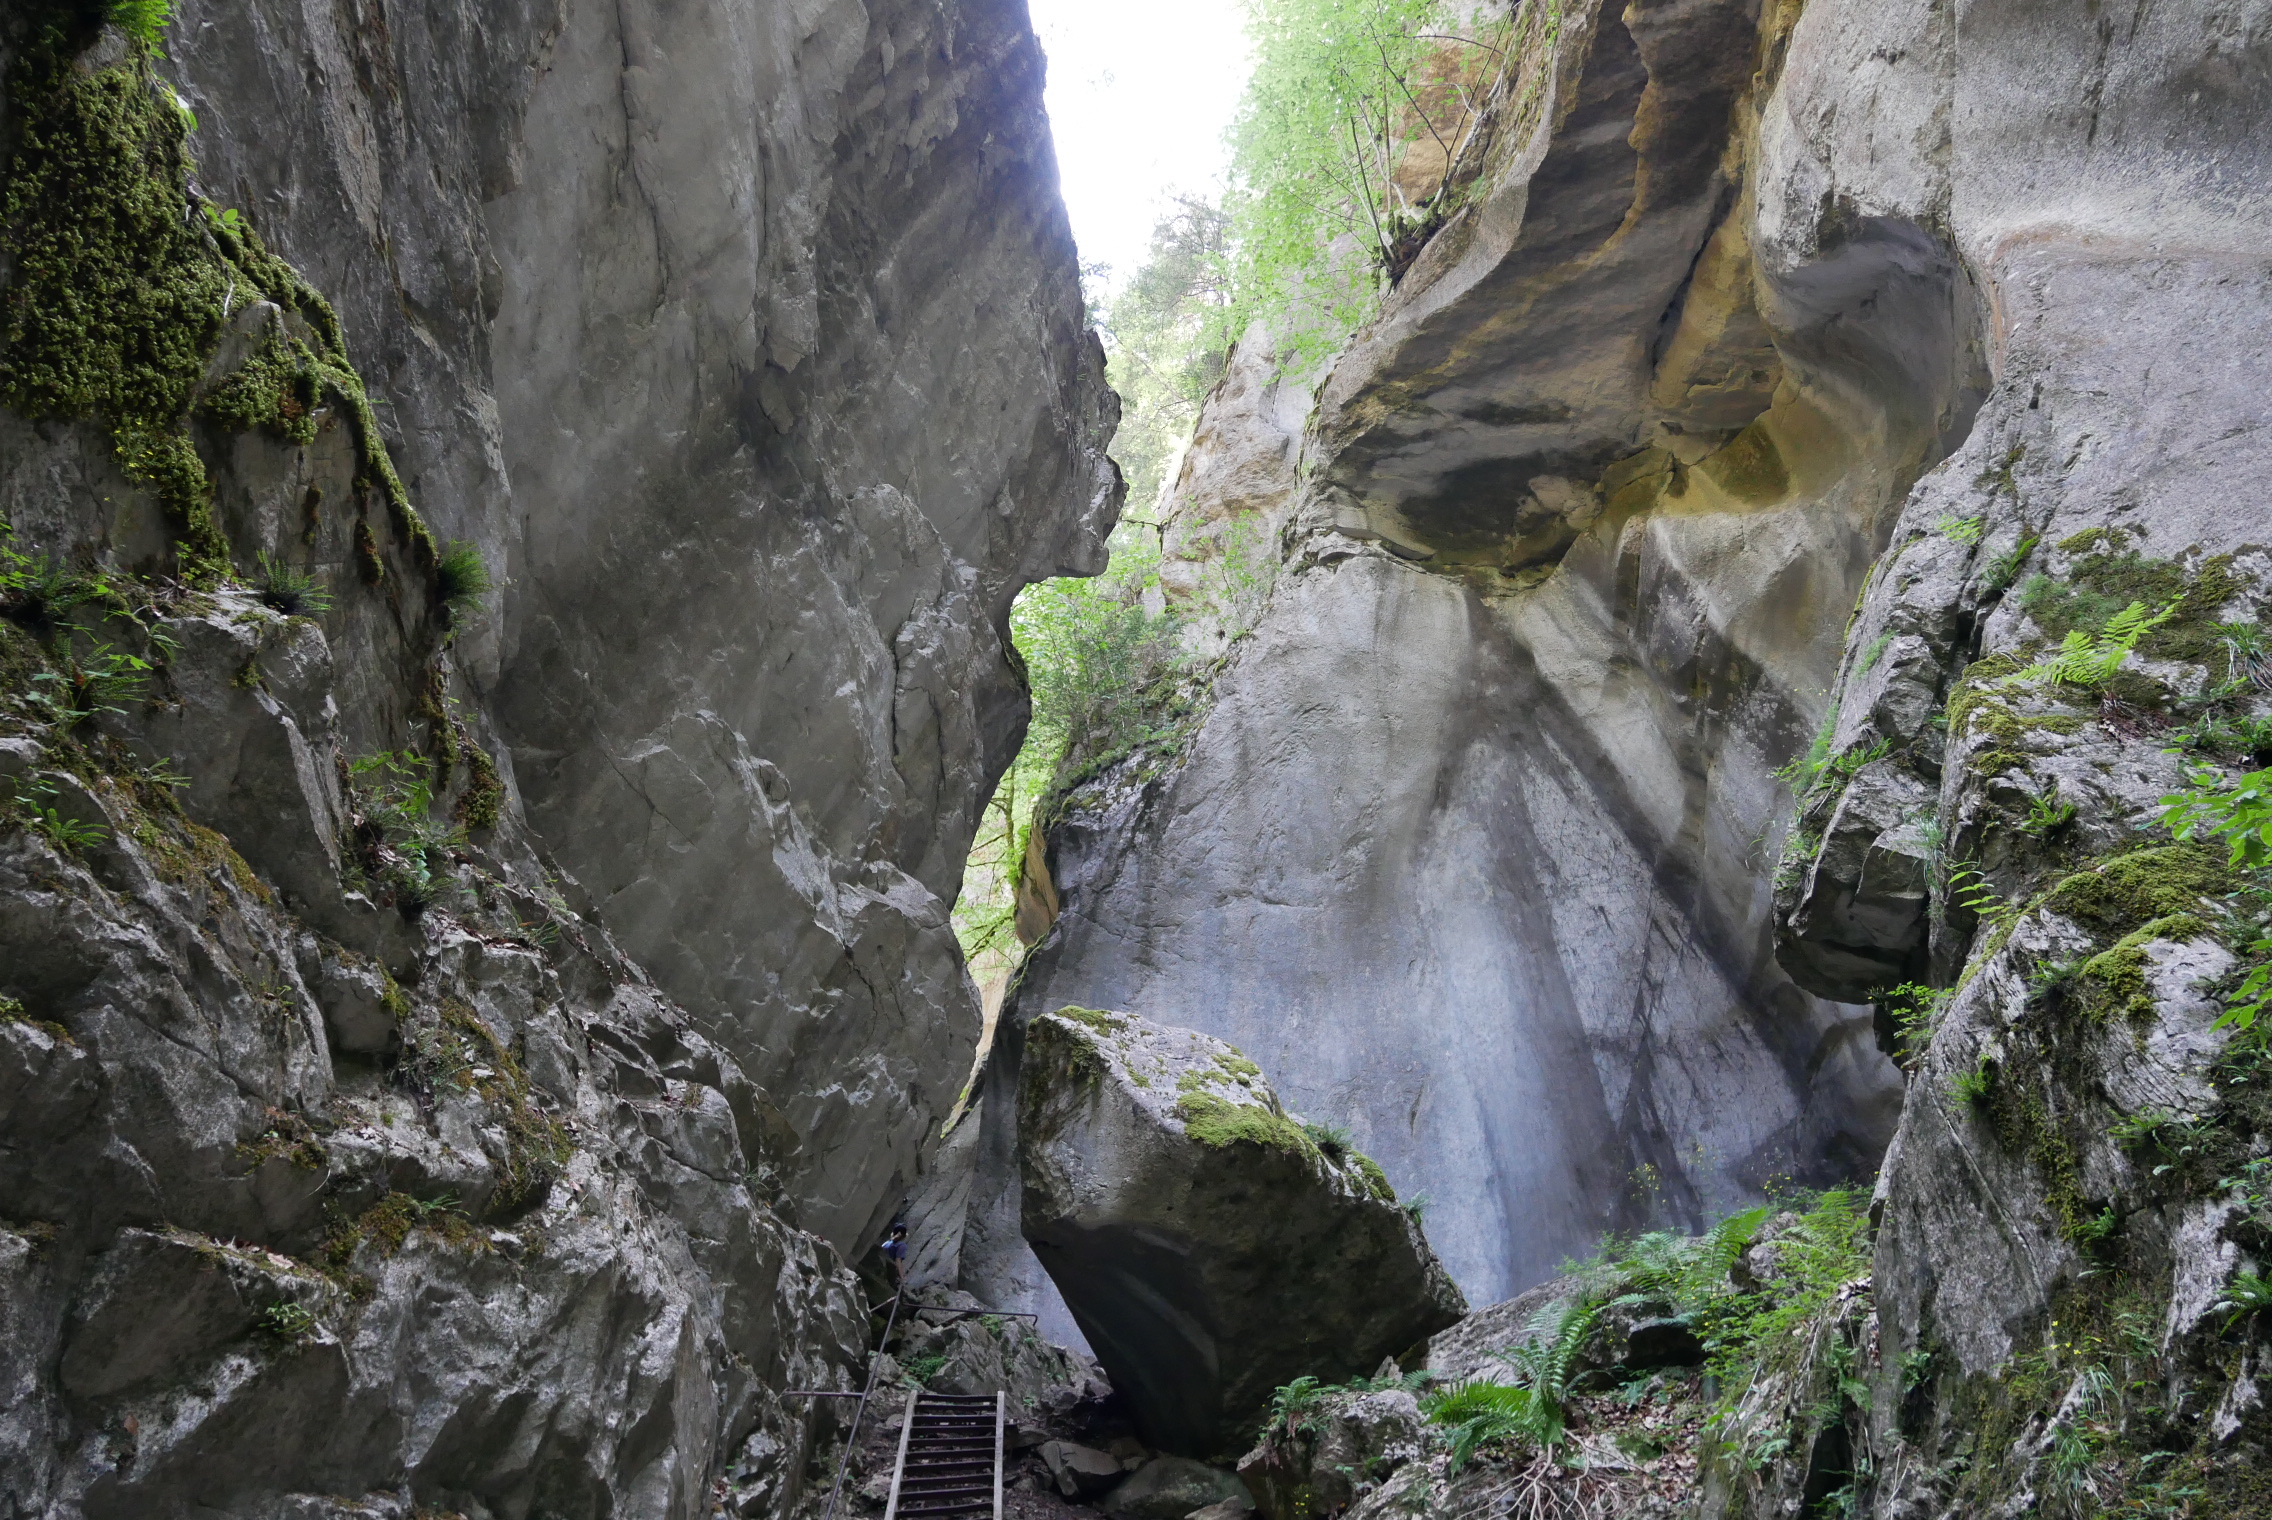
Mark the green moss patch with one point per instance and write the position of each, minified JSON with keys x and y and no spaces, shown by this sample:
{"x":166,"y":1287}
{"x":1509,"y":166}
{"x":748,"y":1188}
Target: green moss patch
{"x":2131,"y":890}
{"x":2109,"y":577}
{"x":1094,"y":1018}
{"x":1376,"y":1180}
{"x":1220,"y":1122}
{"x":2113,"y":982}
{"x":121,"y":285}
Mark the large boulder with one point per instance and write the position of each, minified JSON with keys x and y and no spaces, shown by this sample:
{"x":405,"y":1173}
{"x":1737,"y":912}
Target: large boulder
{"x":1209,"y":1246}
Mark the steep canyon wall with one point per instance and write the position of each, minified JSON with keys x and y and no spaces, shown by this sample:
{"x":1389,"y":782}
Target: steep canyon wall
{"x":510,"y":1169}
{"x":1472,"y":850}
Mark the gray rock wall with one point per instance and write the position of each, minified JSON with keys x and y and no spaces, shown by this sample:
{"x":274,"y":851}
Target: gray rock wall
{"x":1472,"y":850}
{"x":747,"y":345}
{"x":2107,"y":181}
{"x":512,"y":1172}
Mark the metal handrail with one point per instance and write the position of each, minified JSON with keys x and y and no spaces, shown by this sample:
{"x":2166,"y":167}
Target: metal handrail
{"x":852,"y":1441}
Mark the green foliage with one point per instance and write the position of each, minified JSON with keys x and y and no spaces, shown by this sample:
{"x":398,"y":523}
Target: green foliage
{"x":1349,"y":137}
{"x":2226,"y":734}
{"x":2090,"y":660}
{"x":292,"y":592}
{"x":1532,"y":1409}
{"x":1975,"y":1086}
{"x":118,"y":291}
{"x":1916,"y":1011}
{"x":1107,"y":680}
{"x":461,"y":580}
{"x":1417,"y":1207}
{"x":2246,"y":1295}
{"x":1871,"y":655}
{"x":1166,"y":345}
{"x":2240,"y":816}
{"x":1967,"y":531}
{"x":403,"y":844}
{"x":1477,"y":1415}
{"x":2046,"y":815}
{"x":922,"y":1369}
{"x":1331,"y":1139}
{"x":288,"y":1321}
{"x":2007,"y":566}
{"x":1292,"y":1407}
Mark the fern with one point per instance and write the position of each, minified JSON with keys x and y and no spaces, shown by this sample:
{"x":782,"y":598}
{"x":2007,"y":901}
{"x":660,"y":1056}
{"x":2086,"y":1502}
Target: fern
{"x":2086,"y":659}
{"x":143,"y":20}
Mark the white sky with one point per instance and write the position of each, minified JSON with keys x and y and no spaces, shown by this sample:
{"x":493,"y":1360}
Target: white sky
{"x":1139,"y":95}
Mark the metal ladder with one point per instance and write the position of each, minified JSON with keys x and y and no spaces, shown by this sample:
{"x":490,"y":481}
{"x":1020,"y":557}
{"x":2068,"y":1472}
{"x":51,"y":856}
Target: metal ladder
{"x":950,"y":1457}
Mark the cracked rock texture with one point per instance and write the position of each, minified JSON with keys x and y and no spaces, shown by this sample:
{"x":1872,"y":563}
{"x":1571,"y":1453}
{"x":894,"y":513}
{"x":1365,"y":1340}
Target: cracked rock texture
{"x":499,"y":1153}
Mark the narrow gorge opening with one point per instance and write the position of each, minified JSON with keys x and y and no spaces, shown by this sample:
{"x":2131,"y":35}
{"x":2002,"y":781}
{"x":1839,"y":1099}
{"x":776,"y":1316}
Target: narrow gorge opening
{"x":803,"y":759}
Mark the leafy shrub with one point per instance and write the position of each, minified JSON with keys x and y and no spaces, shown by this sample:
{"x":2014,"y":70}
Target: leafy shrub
{"x":2241,"y":817}
{"x":406,"y":846}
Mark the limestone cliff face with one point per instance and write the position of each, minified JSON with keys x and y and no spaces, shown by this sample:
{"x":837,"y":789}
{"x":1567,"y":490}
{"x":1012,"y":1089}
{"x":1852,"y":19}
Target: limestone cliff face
{"x":748,"y":345}
{"x":2074,"y":1151}
{"x":1785,"y":366}
{"x":1472,"y":850}
{"x":449,"y":1040}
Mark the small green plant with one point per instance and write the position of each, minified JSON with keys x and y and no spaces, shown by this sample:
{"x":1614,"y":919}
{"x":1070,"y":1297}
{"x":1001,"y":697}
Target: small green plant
{"x":97,"y":682}
{"x":2241,"y":816}
{"x":229,"y":220}
{"x":1292,"y":1406}
{"x":1533,"y":1407}
{"x":2246,"y":1296}
{"x":1871,"y":655}
{"x":143,"y":20}
{"x":1975,"y":1086}
{"x":922,"y":1369}
{"x":407,"y":846}
{"x":2052,"y":979}
{"x":35,"y":799}
{"x":34,"y":591}
{"x":2221,"y":735}
{"x":1331,"y":1139}
{"x":2006,"y":567}
{"x":2097,"y":1230}
{"x":2085,"y":659}
{"x":1916,"y":1011}
{"x":291,"y":592}
{"x":1482,"y":1414}
{"x":1967,"y":531}
{"x":461,"y":579}
{"x":1974,"y":893}
{"x":1417,"y":1207}
{"x":2047,"y":814}
{"x":2248,"y":662}
{"x":287,"y":1320}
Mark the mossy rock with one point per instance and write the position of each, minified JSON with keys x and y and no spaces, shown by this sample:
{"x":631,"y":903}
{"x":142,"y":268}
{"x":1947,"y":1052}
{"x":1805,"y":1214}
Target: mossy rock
{"x":2128,"y":891}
